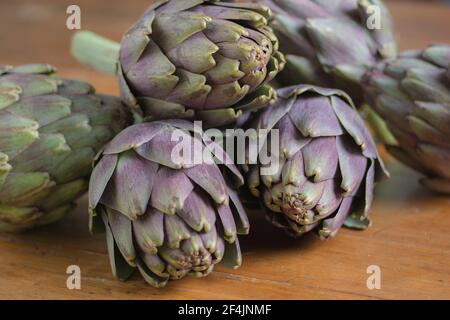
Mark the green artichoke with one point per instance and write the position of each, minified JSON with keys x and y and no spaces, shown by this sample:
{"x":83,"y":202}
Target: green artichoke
{"x":50,"y":131}
{"x":204,"y":60}
{"x":327,"y":162}
{"x":412,"y":94}
{"x":329,"y":43}
{"x":166,"y":217}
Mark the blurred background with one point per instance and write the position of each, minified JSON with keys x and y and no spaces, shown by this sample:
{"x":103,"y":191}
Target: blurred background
{"x":35,"y":30}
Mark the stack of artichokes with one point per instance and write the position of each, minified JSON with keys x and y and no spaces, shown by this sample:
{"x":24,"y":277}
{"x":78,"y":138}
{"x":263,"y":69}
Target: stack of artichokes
{"x":165,"y":213}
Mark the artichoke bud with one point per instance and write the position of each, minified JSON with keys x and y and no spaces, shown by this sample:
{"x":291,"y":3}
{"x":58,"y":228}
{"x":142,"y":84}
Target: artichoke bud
{"x":48,"y":139}
{"x":418,"y":90}
{"x":191,"y":210}
{"x":314,"y":36}
{"x":325,"y":172}
{"x":205,"y":56}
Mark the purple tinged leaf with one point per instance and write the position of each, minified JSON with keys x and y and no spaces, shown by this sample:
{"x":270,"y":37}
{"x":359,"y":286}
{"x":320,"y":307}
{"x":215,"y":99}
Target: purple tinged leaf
{"x":133,"y":137}
{"x":253,"y":181}
{"x":153,"y":74}
{"x":171,"y":191}
{"x":427,"y":133}
{"x":123,"y":236}
{"x":125,"y":92}
{"x":270,"y":179}
{"x":176,"y":231}
{"x":438,"y":55}
{"x":135,"y":41}
{"x":370,"y":185}
{"x":321,"y":159}
{"x":224,"y":95}
{"x":224,"y":31}
{"x":225,"y":71}
{"x":352,"y":164}
{"x":221,"y":157}
{"x":330,"y":200}
{"x":192,"y":90}
{"x":120,"y":267}
{"x":210,"y":240}
{"x":331,"y":226}
{"x":335,"y":47}
{"x":296,"y":230}
{"x":314,"y":117}
{"x":219,"y":250}
{"x":308,"y":193}
{"x":355,"y":126}
{"x":175,"y":259}
{"x":232,"y":257}
{"x":200,"y":258}
{"x":422,"y":85}
{"x":394,"y":110}
{"x":269,"y":117}
{"x":436,"y":114}
{"x":151,"y":277}
{"x":225,"y":11}
{"x":198,"y":211}
{"x":239,"y":212}
{"x":130,"y":187}
{"x":293,"y":171}
{"x":169,"y":35}
{"x":100,"y":177}
{"x":168,"y":148}
{"x":210,"y":179}
{"x":148,"y":230}
{"x":196,"y":54}
{"x":228,"y":224}
{"x":291,"y":140}
{"x":155,"y":264}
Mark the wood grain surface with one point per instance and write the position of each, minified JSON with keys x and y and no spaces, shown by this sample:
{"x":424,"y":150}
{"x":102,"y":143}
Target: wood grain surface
{"x":409,"y":241}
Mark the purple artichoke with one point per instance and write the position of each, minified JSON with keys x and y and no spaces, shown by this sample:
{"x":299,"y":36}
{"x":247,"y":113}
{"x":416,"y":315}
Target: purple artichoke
{"x":329,"y":43}
{"x":204,"y":60}
{"x":328,"y":162}
{"x":168,"y":218}
{"x":412,"y":94}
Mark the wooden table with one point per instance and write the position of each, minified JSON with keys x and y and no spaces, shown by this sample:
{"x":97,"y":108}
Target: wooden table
{"x":410,"y":239}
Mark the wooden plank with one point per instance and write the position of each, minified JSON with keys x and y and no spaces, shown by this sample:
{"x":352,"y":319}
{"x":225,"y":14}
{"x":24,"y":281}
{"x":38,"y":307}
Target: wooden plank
{"x":409,"y":240}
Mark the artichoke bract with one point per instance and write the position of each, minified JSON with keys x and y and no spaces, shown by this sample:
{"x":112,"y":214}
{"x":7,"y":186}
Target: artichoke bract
{"x":204,"y":60}
{"x":412,"y":94}
{"x":50,"y":131}
{"x":332,"y":43}
{"x":165,"y":216}
{"x":327,"y":163}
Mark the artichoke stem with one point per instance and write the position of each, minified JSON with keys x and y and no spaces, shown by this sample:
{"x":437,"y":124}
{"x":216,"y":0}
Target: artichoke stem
{"x":96,"y":52}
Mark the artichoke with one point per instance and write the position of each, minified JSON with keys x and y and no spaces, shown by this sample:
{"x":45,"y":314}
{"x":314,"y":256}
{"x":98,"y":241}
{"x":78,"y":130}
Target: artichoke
{"x":204,"y":60}
{"x":329,"y":43}
{"x":167,"y":217}
{"x":50,"y":131}
{"x":412,"y":94}
{"x":327,"y":162}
